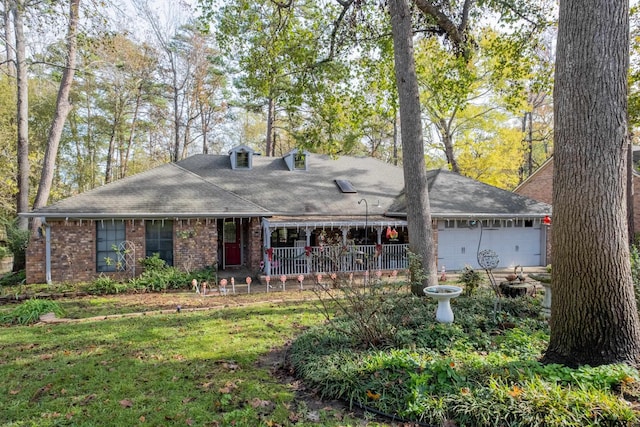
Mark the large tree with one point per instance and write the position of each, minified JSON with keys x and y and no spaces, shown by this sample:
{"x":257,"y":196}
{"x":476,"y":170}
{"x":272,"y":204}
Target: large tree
{"x":415,"y":176}
{"x":22,"y":111}
{"x":594,"y":316}
{"x":63,"y":107}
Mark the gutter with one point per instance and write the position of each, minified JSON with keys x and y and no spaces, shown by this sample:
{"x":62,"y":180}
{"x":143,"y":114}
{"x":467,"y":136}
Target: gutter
{"x":148,"y":215}
{"x":472,"y":216}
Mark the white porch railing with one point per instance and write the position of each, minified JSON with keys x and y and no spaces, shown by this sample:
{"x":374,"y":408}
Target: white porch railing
{"x":328,"y":259}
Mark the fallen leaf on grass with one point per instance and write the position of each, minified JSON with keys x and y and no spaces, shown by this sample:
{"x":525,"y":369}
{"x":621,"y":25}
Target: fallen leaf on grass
{"x":259,"y":403}
{"x":228,"y":387}
{"x":294,"y":417}
{"x":188,"y":399}
{"x":126,"y":403}
{"x":14,"y":392}
{"x":38,"y":394}
{"x":87,"y":399}
{"x":189,"y":422}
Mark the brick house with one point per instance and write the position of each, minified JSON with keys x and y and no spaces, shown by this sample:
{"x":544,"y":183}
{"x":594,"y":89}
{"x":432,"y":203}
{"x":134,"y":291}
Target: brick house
{"x":539,"y":186}
{"x":276,"y":216}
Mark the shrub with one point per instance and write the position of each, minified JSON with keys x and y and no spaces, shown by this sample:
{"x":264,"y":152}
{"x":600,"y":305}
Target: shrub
{"x":158,"y":276}
{"x":370,"y":311}
{"x":13,"y":279}
{"x":30,"y":311}
{"x":473,"y":372}
{"x":105,"y":285}
{"x":153,"y":263}
{"x":470,"y":278}
{"x":17,"y":241}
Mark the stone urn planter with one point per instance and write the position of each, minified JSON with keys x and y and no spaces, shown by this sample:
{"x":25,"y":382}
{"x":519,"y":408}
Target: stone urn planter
{"x":443,"y":294}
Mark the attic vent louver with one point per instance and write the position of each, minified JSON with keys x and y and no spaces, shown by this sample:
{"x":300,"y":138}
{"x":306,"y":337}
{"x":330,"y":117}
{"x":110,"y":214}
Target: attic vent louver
{"x":345,"y":186}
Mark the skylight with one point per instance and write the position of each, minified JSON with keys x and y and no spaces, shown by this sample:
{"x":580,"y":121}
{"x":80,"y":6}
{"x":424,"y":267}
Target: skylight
{"x":345,"y":186}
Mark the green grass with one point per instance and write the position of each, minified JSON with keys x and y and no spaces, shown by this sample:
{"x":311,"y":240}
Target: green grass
{"x":197,"y":368}
{"x":208,"y":367}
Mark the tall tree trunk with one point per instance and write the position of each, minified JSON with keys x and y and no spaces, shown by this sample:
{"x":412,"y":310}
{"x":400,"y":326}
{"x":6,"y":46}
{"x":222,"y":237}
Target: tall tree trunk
{"x":10,"y":40}
{"x":270,"y":119}
{"x":630,"y":193}
{"x":594,"y":317}
{"x":395,"y":137}
{"x":108,"y":170}
{"x":132,"y":131}
{"x":415,"y":179}
{"x":22,"y":98}
{"x":444,"y":128}
{"x":175,"y":155}
{"x":63,"y":107}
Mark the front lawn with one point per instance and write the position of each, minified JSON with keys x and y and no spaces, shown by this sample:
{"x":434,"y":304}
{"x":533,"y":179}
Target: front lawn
{"x":375,"y":347}
{"x":196,"y":368}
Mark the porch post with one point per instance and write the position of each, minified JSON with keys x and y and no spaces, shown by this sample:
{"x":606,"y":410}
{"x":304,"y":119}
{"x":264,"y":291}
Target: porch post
{"x":266,"y":243}
{"x":379,"y":242}
{"x":308,"y":244}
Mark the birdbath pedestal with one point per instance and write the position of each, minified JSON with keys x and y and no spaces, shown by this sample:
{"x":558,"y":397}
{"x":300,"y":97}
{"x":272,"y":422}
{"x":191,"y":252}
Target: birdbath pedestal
{"x":443,"y":294}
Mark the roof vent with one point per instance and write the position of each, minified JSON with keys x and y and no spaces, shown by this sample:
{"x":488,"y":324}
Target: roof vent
{"x":345,"y":186}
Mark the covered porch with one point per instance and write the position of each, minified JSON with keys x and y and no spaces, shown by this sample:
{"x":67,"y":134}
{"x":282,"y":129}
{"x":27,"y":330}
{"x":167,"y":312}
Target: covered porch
{"x":294,"y":246}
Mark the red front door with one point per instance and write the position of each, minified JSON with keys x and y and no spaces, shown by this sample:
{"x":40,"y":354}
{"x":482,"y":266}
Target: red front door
{"x":232,"y":253}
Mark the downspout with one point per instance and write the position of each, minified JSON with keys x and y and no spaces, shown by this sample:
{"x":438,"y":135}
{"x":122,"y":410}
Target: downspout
{"x":47,"y":251}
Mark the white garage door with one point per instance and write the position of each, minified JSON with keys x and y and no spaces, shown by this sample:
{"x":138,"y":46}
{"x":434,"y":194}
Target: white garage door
{"x":515,"y":242}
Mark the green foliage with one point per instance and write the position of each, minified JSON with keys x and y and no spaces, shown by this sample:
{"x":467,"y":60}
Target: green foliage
{"x":4,"y":252}
{"x":417,"y":274}
{"x":17,"y":241}
{"x":472,"y":372}
{"x":153,"y":263}
{"x":105,"y":285}
{"x":156,"y":277}
{"x":13,"y":279}
{"x":371,"y":310}
{"x":635,"y":265}
{"x":470,"y":279}
{"x":30,"y":311}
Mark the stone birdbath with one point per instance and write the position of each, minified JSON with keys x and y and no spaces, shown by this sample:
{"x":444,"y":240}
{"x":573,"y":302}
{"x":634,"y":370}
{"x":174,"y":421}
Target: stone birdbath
{"x":443,"y":294}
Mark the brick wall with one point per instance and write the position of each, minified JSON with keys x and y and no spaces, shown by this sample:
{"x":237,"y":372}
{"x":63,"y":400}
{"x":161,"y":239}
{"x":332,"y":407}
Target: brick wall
{"x":539,"y":186}
{"x":73,"y":249}
{"x":195,"y":244}
{"x":254,"y":252}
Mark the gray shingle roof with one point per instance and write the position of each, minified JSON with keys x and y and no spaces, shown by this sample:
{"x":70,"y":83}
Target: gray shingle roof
{"x":205,"y":185}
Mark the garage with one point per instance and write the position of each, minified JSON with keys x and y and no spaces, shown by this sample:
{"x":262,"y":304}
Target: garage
{"x":516,"y":241}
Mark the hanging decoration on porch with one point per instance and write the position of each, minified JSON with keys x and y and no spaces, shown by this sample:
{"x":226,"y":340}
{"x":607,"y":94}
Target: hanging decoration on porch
{"x":307,"y":250}
{"x":269,"y":252}
{"x":378,"y":249}
{"x":392,"y":234}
